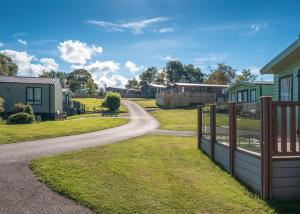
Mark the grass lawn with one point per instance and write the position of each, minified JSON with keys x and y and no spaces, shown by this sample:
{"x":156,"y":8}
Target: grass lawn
{"x":150,"y":174}
{"x":185,"y":119}
{"x":94,"y":104}
{"x":47,"y":129}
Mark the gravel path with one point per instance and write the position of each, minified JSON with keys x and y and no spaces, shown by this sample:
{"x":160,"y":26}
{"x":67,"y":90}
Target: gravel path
{"x":21,"y":192}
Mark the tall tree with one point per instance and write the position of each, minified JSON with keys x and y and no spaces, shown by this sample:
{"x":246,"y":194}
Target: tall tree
{"x":81,"y":79}
{"x":7,"y":66}
{"x":161,"y":77}
{"x":246,"y":75}
{"x":223,"y":74}
{"x":132,"y":84}
{"x":174,"y":71}
{"x":149,"y":75}
{"x":62,"y":76}
{"x":193,"y":74}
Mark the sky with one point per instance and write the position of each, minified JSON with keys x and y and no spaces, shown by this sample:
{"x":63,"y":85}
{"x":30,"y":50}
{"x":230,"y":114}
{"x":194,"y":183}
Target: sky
{"x":116,"y":40}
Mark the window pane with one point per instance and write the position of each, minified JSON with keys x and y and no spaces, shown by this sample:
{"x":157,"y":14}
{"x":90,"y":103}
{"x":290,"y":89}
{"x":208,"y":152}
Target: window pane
{"x":253,"y":95}
{"x":29,"y":94}
{"x":286,"y":89}
{"x":239,"y":96}
{"x":37,"y":94}
{"x":245,"y":96}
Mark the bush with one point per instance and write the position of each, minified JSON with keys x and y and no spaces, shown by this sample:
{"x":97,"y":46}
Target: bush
{"x":21,"y":107}
{"x":112,"y":101}
{"x":20,"y":118}
{"x":1,"y":107}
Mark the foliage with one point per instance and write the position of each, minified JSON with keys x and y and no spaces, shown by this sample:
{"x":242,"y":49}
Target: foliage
{"x":223,"y":74}
{"x":161,"y":77}
{"x":246,"y":75}
{"x":7,"y":66}
{"x":21,"y":118}
{"x":21,"y":107}
{"x":112,"y":101}
{"x":133,"y":84}
{"x":174,"y":71}
{"x":1,"y":105}
{"x":62,"y":76}
{"x":149,"y":174}
{"x":149,"y":75}
{"x":95,"y":104}
{"x":81,"y":79}
{"x":192,"y":74}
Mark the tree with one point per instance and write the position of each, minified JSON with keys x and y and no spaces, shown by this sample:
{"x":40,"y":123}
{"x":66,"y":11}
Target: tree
{"x":7,"y":66}
{"x":246,"y":75}
{"x":174,"y":71}
{"x":192,"y":74}
{"x":62,"y":76}
{"x":132,"y":84}
{"x":223,"y":74}
{"x":81,"y":79}
{"x":161,"y":77}
{"x":149,"y":75}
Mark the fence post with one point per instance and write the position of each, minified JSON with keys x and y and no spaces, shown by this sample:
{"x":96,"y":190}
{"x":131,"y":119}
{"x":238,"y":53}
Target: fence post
{"x":199,"y":114}
{"x":266,"y":147}
{"x":232,"y":135}
{"x":212,"y":129}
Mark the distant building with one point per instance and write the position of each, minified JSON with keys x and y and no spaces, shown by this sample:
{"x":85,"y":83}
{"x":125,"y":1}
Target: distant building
{"x":185,"y":94}
{"x":126,"y":93}
{"x":246,"y":91}
{"x":150,"y":90}
{"x":43,"y":94}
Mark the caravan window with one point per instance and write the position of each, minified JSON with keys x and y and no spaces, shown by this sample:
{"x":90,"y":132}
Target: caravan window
{"x":34,"y":96}
{"x":285,"y":88}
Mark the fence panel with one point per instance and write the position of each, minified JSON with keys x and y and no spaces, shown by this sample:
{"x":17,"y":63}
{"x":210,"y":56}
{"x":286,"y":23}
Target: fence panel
{"x":248,"y":126}
{"x":222,"y":123}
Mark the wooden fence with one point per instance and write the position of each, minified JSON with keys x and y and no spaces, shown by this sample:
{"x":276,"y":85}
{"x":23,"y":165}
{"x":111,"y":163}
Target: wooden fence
{"x":274,"y":172}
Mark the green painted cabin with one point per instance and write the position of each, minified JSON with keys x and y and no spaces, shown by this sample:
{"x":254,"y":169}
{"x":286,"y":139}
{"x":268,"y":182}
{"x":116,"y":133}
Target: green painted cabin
{"x":246,"y":92}
{"x":286,"y":70}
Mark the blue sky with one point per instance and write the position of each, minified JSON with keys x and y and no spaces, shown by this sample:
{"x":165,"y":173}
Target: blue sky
{"x":116,"y":39}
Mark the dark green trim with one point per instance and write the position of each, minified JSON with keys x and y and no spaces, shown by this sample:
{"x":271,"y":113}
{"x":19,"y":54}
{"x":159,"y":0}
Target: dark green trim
{"x":292,"y":86}
{"x":260,"y":90}
{"x":33,"y":89}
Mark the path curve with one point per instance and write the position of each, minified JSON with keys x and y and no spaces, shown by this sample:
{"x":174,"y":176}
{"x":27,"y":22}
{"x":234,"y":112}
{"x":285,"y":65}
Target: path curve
{"x":20,"y":192}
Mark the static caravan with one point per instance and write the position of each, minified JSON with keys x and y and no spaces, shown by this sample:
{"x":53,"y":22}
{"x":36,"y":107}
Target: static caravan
{"x":43,"y":94}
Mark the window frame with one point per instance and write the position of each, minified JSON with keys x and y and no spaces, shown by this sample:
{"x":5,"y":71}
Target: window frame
{"x":242,"y":93}
{"x":279,"y":85}
{"x":33,"y":101}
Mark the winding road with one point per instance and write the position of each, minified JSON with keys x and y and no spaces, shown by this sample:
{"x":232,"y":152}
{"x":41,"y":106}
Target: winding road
{"x":21,"y":192}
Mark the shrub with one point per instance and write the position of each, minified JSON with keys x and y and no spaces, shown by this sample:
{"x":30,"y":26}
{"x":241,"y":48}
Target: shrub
{"x":21,"y":107}
{"x":1,"y":105}
{"x":112,"y":101}
{"x":20,"y":118}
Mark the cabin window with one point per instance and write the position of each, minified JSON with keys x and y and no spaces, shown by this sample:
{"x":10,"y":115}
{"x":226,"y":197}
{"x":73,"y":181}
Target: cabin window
{"x":286,"y":87}
{"x":239,"y":96}
{"x":253,"y":95}
{"x":242,"y":96}
{"x":233,"y":98}
{"x":34,"y":96}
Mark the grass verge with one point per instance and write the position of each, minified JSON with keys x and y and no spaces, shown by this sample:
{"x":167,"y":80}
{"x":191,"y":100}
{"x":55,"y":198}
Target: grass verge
{"x":150,"y":174}
{"x":48,"y":129}
{"x":94,"y":105}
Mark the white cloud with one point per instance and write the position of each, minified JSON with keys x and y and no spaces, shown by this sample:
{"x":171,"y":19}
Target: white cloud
{"x":210,"y":58}
{"x":132,"y":67}
{"x":136,"y":27}
{"x":1,"y":44}
{"x":77,"y":52}
{"x":25,"y":65}
{"x":257,"y":27}
{"x":104,"y":73}
{"x":166,"y":30}
{"x":23,"y":42}
{"x":168,"y":58}
{"x":49,"y":63}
